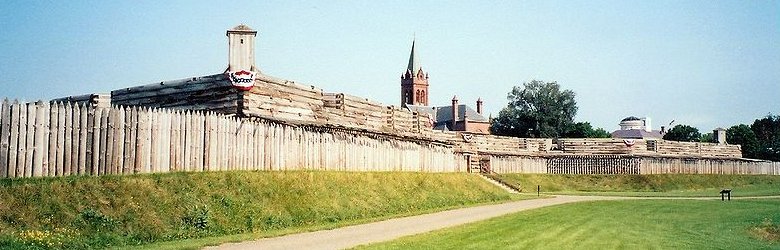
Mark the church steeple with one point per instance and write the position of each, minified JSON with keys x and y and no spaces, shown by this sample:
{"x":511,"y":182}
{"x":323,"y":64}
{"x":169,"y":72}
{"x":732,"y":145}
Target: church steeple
{"x":413,"y":61}
{"x":414,"y":82}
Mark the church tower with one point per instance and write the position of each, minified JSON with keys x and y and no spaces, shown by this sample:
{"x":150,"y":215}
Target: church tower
{"x":414,"y":83}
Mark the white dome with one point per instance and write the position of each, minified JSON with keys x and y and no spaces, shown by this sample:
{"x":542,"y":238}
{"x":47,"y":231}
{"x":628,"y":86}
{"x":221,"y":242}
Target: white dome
{"x":630,"y":123}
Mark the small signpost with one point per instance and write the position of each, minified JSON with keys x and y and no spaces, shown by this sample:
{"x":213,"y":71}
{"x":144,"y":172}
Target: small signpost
{"x":725,"y":192}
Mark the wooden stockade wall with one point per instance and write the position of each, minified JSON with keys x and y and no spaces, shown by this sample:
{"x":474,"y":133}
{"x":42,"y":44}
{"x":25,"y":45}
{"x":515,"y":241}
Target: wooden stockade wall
{"x":347,"y":132}
{"x":648,"y":147}
{"x":593,"y":164}
{"x":43,"y":139}
{"x":283,"y":100}
{"x":518,"y":164}
{"x":679,"y":165}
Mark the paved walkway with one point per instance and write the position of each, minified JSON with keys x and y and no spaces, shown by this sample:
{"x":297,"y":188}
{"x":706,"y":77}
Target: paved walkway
{"x":352,"y":236}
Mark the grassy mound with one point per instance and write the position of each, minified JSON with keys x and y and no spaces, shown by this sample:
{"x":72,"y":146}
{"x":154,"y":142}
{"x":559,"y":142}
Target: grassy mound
{"x":652,"y":185}
{"x":96,"y":212}
{"x":630,"y":224}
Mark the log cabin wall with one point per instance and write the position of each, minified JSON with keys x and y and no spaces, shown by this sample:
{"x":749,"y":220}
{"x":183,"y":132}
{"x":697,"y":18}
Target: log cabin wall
{"x":206,"y":93}
{"x":279,"y":99}
{"x":648,"y":147}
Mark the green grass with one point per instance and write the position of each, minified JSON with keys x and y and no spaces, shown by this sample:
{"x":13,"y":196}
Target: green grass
{"x":670,"y":185}
{"x":115,"y":211}
{"x":632,"y":224}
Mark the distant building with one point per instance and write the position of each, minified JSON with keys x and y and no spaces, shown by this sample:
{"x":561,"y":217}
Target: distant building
{"x":633,"y":127}
{"x":455,"y":117}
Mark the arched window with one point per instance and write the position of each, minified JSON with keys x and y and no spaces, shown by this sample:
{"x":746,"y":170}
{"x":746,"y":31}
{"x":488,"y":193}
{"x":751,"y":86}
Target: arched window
{"x":423,"y":97}
{"x":417,"y":96}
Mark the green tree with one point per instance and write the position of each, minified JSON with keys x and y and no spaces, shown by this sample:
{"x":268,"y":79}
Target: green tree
{"x":707,"y":137}
{"x":743,"y":135}
{"x":683,"y":133}
{"x":537,"y":109}
{"x":767,"y":132}
{"x":585,"y":130}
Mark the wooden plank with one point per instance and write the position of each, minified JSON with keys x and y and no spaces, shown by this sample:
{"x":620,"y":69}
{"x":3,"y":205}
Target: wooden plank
{"x":40,"y":131}
{"x":75,"y":140}
{"x":110,"y":145}
{"x":91,"y":147}
{"x":186,"y":83}
{"x":207,"y":149}
{"x":147,"y":149}
{"x":186,"y":134}
{"x":130,"y":138}
{"x":30,"y":139}
{"x":103,"y":142}
{"x":83,"y":138}
{"x":68,"y":145}
{"x":5,"y":136}
{"x":53,"y":143}
{"x":13,"y":147}
{"x":154,"y":148}
{"x":46,"y":137}
{"x":24,"y":138}
{"x":119,"y":135}
{"x":140,"y":117}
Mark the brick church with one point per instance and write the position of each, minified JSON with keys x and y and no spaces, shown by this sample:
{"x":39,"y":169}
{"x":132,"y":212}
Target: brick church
{"x":454,"y":117}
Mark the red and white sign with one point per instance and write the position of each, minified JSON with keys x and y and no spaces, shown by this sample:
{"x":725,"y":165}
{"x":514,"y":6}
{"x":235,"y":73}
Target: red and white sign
{"x":243,"y":80}
{"x":629,"y":142}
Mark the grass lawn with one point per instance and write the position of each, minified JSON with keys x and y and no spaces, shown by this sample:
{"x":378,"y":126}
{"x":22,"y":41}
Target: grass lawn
{"x":189,"y":210}
{"x":671,"y":185}
{"x":630,"y":224}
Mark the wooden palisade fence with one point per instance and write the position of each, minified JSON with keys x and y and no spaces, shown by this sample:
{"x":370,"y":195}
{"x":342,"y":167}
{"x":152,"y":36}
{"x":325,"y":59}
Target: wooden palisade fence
{"x":60,"y":139}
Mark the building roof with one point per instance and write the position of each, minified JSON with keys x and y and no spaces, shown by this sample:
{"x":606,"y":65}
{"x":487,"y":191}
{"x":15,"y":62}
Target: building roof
{"x":414,"y":63}
{"x":443,"y":114}
{"x":637,"y":134}
{"x":631,"y":118}
{"x":242,"y":27}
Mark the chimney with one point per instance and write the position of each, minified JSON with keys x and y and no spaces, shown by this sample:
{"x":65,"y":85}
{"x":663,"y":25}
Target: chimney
{"x":465,"y":122}
{"x":454,"y":111}
{"x":479,"y":105}
{"x":648,"y":126}
{"x":241,"y":49}
{"x":720,"y":135}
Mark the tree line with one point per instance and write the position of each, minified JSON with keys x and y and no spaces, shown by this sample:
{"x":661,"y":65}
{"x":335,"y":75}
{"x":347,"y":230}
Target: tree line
{"x":541,"y":109}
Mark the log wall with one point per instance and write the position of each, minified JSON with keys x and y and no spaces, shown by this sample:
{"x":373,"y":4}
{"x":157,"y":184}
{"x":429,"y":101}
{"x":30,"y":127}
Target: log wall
{"x":648,"y":147}
{"x":43,"y":139}
{"x":206,"y":93}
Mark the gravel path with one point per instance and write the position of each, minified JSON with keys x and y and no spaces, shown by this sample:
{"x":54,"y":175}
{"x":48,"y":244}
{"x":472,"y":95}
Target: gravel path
{"x":352,"y":236}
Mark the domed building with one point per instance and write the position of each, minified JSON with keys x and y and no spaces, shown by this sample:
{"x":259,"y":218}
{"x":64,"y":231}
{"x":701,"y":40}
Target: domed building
{"x":633,"y":127}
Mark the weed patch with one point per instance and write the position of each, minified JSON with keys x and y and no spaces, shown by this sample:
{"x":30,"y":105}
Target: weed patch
{"x":767,"y":231}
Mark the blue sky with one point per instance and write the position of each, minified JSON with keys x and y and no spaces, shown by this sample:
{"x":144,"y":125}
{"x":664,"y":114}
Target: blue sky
{"x":703,"y":63}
